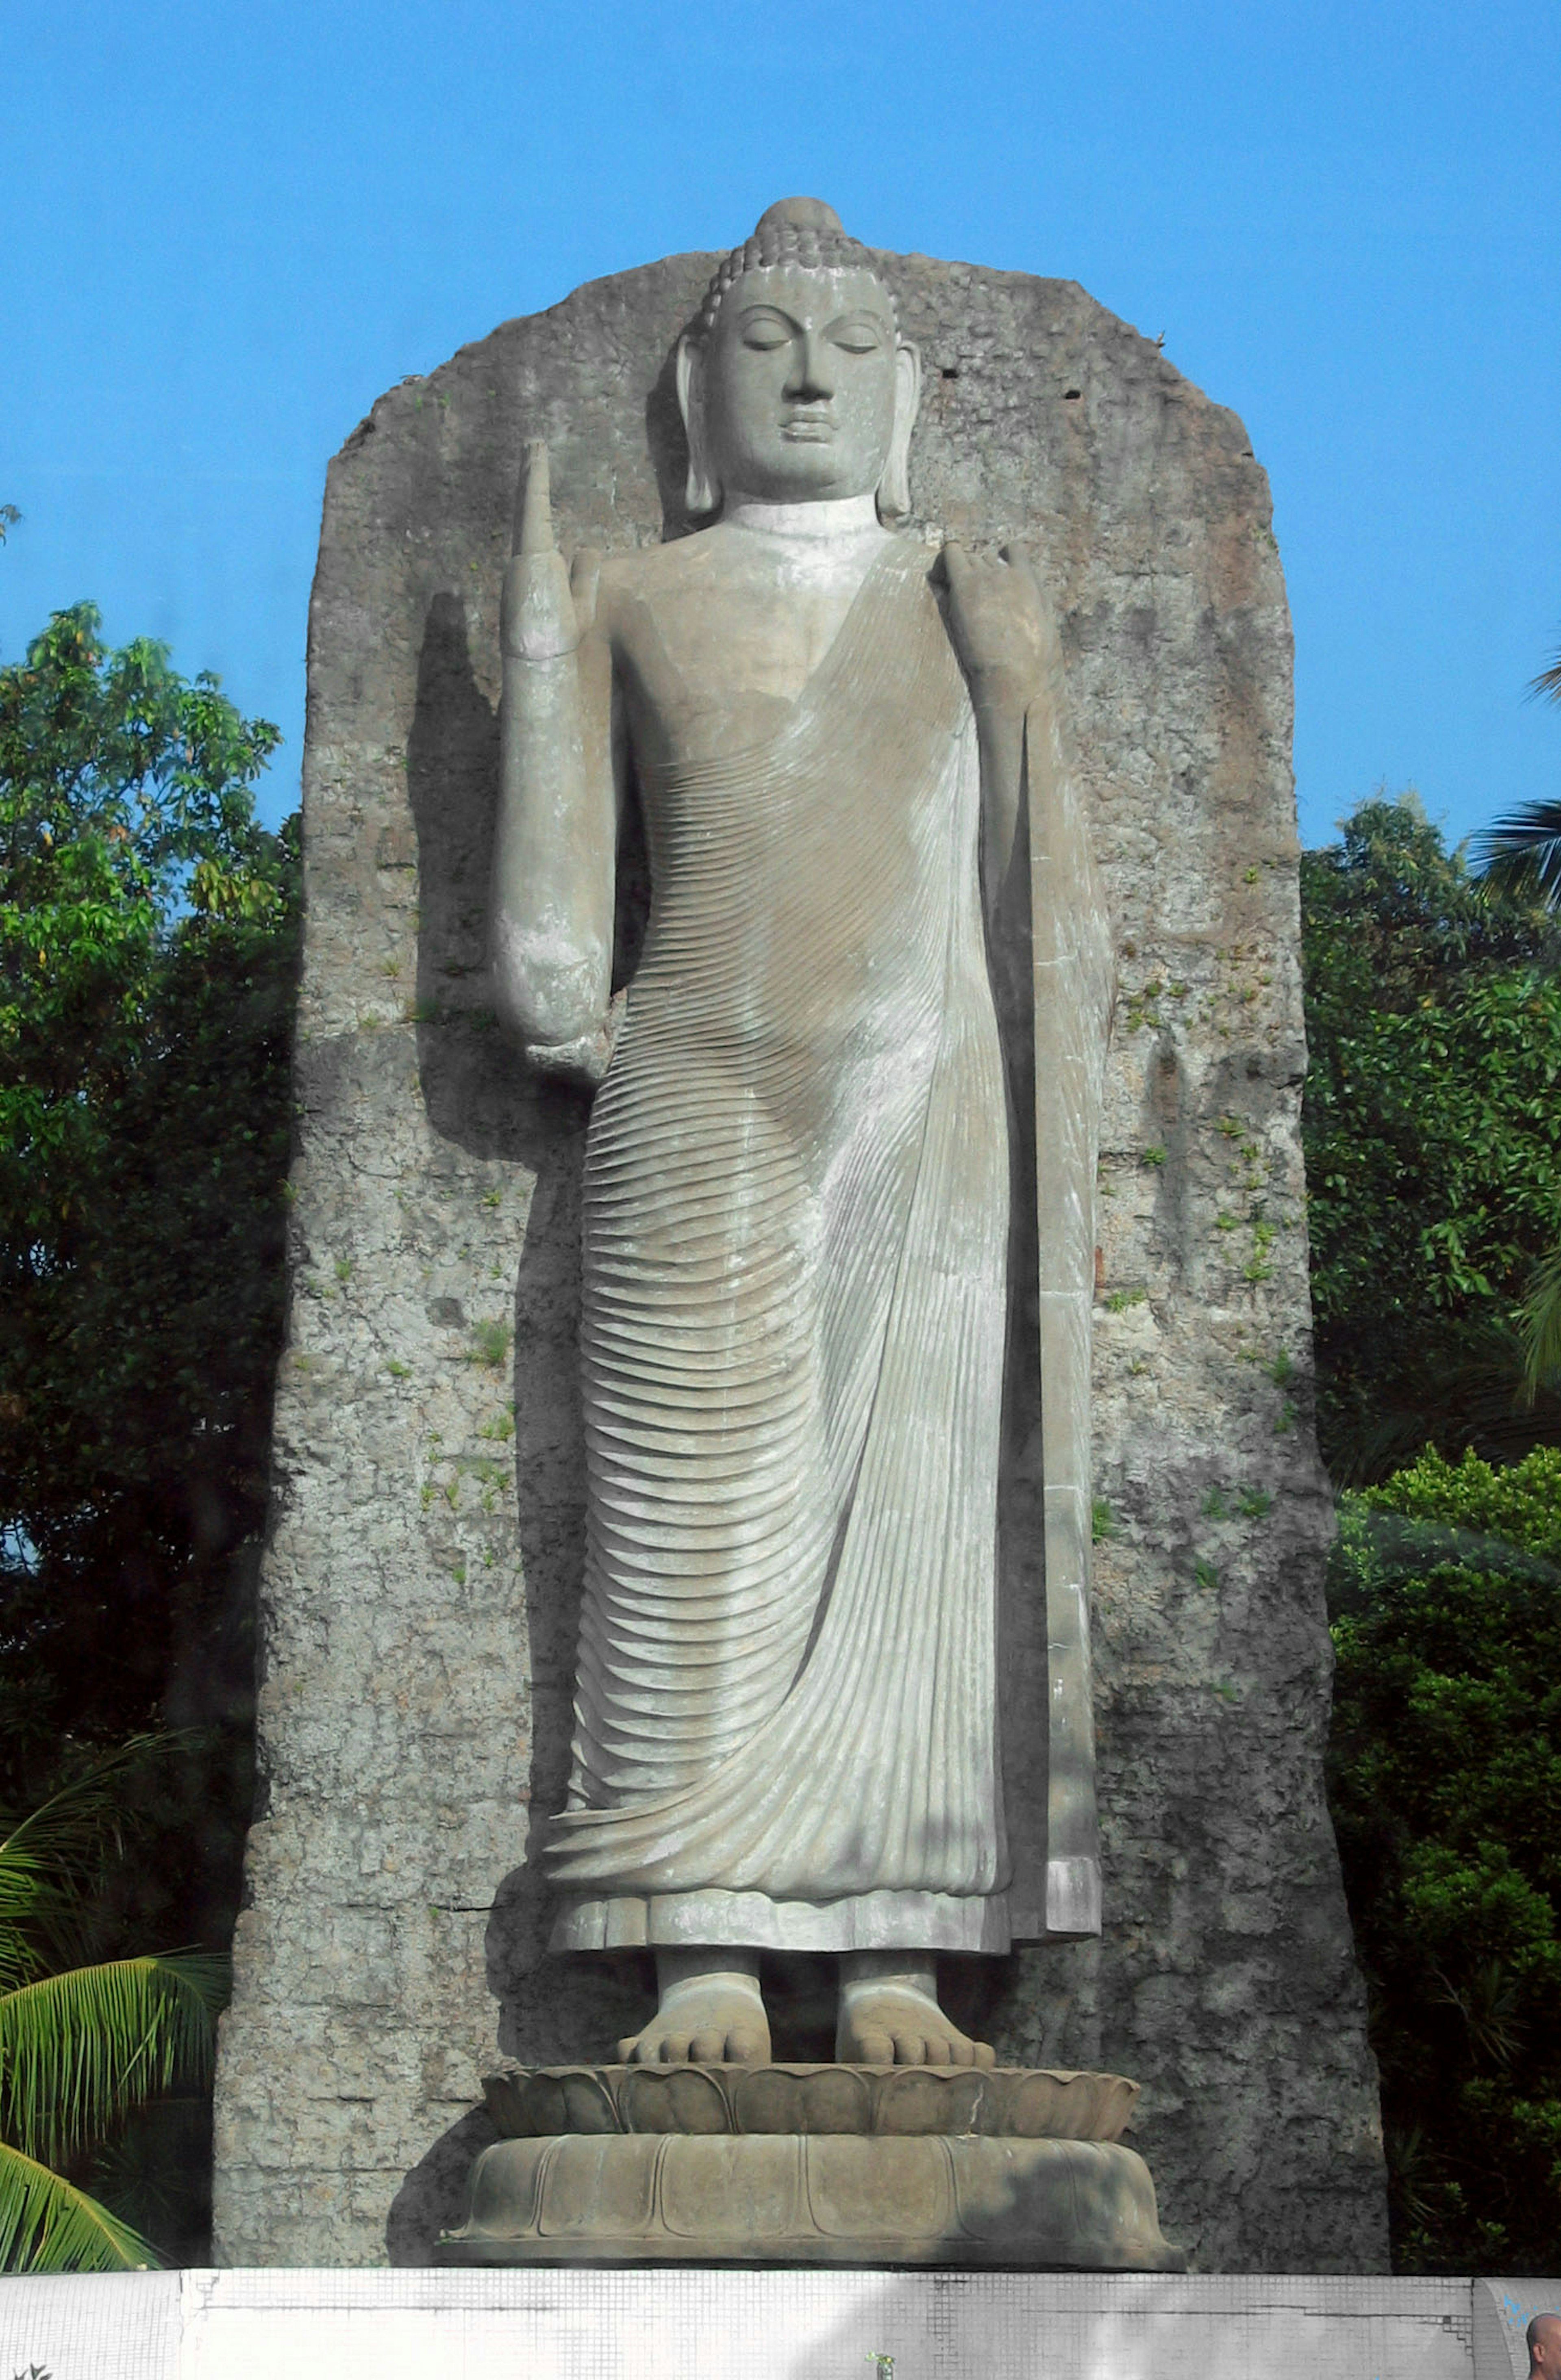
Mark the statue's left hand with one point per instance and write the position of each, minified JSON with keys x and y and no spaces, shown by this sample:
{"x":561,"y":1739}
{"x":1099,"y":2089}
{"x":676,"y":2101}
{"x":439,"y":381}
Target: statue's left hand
{"x":585,"y":1060}
{"x":999,"y":619}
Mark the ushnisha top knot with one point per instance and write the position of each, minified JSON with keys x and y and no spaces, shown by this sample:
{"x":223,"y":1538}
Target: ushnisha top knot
{"x":794,"y":231}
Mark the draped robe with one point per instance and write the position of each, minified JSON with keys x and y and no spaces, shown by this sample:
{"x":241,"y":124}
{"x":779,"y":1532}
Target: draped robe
{"x":793,"y":1330}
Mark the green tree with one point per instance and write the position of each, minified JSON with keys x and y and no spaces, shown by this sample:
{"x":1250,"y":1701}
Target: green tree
{"x":1433,"y":1126}
{"x":1521,"y":852}
{"x":82,"y":2045}
{"x":1445,"y":1785}
{"x":148,"y":952}
{"x":125,"y":797}
{"x":1540,"y":1326}
{"x":1520,"y":855}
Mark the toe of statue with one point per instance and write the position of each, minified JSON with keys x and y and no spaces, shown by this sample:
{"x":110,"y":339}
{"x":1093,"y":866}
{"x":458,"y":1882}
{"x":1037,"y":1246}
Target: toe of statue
{"x":904,"y":2030}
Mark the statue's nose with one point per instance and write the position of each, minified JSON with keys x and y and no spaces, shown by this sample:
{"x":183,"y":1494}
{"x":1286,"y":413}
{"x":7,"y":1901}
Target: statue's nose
{"x":809,"y":375}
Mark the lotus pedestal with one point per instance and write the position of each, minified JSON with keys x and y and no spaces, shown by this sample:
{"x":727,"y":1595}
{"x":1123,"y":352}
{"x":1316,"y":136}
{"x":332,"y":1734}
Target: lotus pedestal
{"x":1018,"y":2169}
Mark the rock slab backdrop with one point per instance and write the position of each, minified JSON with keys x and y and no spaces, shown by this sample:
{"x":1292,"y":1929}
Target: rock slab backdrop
{"x":420,"y":1585}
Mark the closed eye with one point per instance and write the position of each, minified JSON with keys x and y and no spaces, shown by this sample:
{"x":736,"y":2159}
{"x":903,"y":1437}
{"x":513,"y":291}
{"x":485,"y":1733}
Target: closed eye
{"x":764,"y":329}
{"x":858,"y":335}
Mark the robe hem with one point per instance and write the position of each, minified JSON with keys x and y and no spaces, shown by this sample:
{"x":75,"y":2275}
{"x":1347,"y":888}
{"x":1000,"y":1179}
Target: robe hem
{"x":884,"y":1920}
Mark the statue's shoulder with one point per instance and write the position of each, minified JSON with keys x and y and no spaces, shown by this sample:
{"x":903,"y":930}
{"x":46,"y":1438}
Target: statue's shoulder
{"x":651,"y":578}
{"x":647,"y":570}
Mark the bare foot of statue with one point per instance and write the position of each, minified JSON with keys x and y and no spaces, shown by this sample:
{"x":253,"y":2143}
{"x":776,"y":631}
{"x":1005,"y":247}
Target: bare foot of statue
{"x":709,"y":2012}
{"x":889,"y":2015}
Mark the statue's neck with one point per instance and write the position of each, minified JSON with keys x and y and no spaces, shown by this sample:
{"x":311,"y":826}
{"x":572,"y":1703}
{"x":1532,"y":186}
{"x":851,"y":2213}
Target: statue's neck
{"x":827,"y":521}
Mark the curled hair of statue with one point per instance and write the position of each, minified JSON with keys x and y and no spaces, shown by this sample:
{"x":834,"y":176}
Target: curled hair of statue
{"x":794,"y":231}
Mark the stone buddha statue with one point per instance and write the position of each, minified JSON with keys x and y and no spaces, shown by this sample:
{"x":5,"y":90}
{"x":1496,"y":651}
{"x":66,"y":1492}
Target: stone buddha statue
{"x":797,"y":1178}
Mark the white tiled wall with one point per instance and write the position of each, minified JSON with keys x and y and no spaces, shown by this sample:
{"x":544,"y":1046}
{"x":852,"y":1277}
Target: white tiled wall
{"x":696,"y":2323}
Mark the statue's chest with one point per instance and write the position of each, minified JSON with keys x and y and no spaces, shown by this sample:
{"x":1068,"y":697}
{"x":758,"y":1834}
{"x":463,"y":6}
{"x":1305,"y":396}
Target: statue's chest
{"x":727,"y":671}
{"x":857,"y":781}
{"x":715,"y":667}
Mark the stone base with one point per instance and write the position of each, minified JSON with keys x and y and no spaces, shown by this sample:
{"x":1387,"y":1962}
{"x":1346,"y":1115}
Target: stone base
{"x":1014,"y":2167}
{"x":826,"y":2199}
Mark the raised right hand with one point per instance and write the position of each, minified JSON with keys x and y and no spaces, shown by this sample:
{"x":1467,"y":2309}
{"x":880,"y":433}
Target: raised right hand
{"x":537,"y":618}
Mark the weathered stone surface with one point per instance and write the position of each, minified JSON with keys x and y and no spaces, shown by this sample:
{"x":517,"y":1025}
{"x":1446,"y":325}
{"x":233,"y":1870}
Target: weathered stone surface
{"x":418,"y":1597}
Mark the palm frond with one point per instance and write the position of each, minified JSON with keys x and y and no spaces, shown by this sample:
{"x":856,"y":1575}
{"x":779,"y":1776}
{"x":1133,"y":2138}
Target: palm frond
{"x":1489,"y":2001}
{"x":1412,"y":2172}
{"x":1540,"y":1325}
{"x":1521,"y":852}
{"x":51,"y":1860}
{"x":78,"y":2050}
{"x":150,"y":2173}
{"x":1548,"y":683}
{"x":47,"y":2225}
{"x":69,"y":1831}
{"x":1466,"y":1389}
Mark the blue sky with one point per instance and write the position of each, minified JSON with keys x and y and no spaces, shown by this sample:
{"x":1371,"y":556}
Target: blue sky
{"x":227,"y":228}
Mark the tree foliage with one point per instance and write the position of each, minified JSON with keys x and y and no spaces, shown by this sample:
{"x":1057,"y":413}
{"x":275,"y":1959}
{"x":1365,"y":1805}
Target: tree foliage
{"x":124,"y":793}
{"x":148,"y":937}
{"x":1433,"y":1124}
{"x":1521,"y":852}
{"x":1541,"y":1325}
{"x":1446,"y":1592}
{"x":148,"y":949}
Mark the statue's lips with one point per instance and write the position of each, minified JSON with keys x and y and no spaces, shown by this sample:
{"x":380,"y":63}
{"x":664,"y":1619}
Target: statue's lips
{"x":808,"y":429}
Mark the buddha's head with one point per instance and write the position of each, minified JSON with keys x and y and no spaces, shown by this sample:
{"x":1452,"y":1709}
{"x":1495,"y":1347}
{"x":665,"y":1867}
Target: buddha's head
{"x":796,"y":386}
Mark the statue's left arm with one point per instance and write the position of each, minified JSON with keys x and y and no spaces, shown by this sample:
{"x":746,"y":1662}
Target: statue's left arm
{"x":1004,"y":636}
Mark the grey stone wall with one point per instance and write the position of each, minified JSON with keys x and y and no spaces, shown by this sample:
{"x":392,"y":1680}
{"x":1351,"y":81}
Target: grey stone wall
{"x":419,"y":1588}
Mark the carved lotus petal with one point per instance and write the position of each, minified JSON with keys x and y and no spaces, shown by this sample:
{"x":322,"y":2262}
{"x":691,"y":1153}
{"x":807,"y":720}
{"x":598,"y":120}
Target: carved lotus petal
{"x":802,"y":2099}
{"x":531,"y":2102}
{"x":1065,"y":2107}
{"x":673,"y":2099}
{"x":898,"y":2102}
{"x":928,"y":2099}
{"x":503,"y":2094}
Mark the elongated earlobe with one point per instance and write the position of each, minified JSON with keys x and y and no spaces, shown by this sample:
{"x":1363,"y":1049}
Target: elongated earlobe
{"x":702,"y":493}
{"x":894,"y":488}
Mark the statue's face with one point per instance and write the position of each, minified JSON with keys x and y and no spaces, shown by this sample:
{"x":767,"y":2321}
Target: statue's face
{"x":801,"y":377}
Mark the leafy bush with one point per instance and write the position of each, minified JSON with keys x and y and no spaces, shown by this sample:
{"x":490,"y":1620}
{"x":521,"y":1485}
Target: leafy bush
{"x":1446,"y":1761}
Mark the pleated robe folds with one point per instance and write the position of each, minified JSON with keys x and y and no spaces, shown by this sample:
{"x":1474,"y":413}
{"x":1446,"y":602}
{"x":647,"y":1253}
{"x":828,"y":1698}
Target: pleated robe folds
{"x":796,"y":1236}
